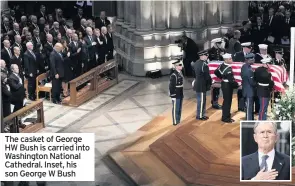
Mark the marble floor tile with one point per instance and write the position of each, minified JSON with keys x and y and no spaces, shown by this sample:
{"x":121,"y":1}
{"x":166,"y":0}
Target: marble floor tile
{"x":55,"y":112}
{"x":158,"y":109}
{"x":69,"y":118}
{"x":121,"y":87}
{"x":49,"y":130}
{"x":127,"y":104}
{"x":100,"y":121}
{"x":104,"y":146}
{"x":129,"y":115}
{"x":106,"y":132}
{"x":153,"y":99}
{"x":96,"y":102}
{"x":108,"y":180}
{"x":133,"y":126}
{"x":188,"y":94}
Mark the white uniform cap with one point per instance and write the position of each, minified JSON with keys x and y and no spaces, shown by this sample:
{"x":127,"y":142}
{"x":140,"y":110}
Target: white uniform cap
{"x":263,"y":46}
{"x":227,"y":56}
{"x":266,"y":60}
{"x":246,"y":44}
{"x":217,"y":40}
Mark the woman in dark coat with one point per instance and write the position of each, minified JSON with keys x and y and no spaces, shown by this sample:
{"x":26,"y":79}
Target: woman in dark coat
{"x":68,"y":68}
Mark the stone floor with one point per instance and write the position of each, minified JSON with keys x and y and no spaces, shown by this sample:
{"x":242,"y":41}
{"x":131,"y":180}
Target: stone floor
{"x":112,"y":115}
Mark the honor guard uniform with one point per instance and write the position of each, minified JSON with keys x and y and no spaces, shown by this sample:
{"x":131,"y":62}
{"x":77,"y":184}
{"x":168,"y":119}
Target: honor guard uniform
{"x":201,"y":84}
{"x":176,"y":92}
{"x":241,"y":57}
{"x":248,"y":85}
{"x":265,"y":86}
{"x":228,"y":84}
{"x":263,"y":53}
{"x":215,"y":54}
{"x":279,"y":60}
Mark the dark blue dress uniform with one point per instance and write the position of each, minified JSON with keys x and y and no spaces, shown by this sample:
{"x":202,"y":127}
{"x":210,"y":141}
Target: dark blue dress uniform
{"x":248,"y":86}
{"x":228,"y":84}
{"x":265,"y":86}
{"x":176,"y":93}
{"x":280,"y":62}
{"x":215,"y":54}
{"x":201,"y":85}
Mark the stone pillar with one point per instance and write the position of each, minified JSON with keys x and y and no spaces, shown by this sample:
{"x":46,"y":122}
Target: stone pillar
{"x":241,"y":11}
{"x":227,"y":12}
{"x":126,"y":12}
{"x":120,"y":10}
{"x":175,"y":14}
{"x":160,"y":15}
{"x":187,"y":13}
{"x":198,"y":14}
{"x":212,"y":13}
{"x":144,"y":10}
{"x":132,"y":12}
{"x":4,"y":5}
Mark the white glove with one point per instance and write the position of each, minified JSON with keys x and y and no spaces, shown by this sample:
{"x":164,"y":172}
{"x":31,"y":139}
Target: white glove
{"x":193,"y":83}
{"x":173,"y":99}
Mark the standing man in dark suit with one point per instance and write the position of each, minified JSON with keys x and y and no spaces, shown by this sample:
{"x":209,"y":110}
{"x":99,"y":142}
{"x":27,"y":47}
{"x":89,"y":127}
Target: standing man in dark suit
{"x":18,"y":43}
{"x":91,"y":46}
{"x":248,"y":85}
{"x":176,"y":92}
{"x":31,"y":70}
{"x":102,"y":20}
{"x":57,"y":72}
{"x":75,"y":49}
{"x":190,"y":50}
{"x":6,"y":95}
{"x":201,"y":84}
{"x":17,"y":88}
{"x":6,"y":53}
{"x":77,"y":19}
{"x":16,"y":59}
{"x":267,"y":163}
{"x":110,"y":43}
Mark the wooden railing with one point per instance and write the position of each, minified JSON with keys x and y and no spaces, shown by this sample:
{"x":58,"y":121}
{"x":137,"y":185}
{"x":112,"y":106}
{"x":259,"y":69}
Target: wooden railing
{"x":95,"y":83}
{"x":11,"y":122}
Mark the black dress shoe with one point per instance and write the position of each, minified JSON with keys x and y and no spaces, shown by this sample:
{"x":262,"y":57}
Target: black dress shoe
{"x":226,"y":120}
{"x":205,"y":117}
{"x":217,"y":106}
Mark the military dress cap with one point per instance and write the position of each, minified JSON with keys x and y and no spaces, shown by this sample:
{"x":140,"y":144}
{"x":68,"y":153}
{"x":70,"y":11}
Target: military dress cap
{"x":203,"y":53}
{"x":248,"y":44}
{"x":217,"y":40}
{"x":279,"y":50}
{"x":266,"y":60}
{"x":177,"y":63}
{"x":263,"y":46}
{"x":250,"y":56}
{"x":227,"y":56}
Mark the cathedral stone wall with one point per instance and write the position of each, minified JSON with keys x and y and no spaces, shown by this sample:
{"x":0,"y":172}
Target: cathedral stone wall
{"x":145,"y":31}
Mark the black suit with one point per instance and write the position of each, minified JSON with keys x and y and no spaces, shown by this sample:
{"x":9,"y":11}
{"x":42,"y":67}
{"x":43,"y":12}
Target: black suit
{"x":100,"y":23}
{"x":5,"y":56}
{"x":110,"y":46}
{"x":19,"y":62}
{"x":76,"y":58}
{"x":191,"y":50}
{"x":56,"y":67}
{"x":77,"y":21}
{"x":6,"y":99}
{"x":250,"y":166}
{"x":239,"y":57}
{"x":17,"y":90}
{"x":31,"y":67}
{"x":91,"y":51}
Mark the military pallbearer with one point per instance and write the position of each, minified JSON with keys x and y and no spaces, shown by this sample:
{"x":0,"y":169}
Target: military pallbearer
{"x":176,"y":92}
{"x":201,"y":84}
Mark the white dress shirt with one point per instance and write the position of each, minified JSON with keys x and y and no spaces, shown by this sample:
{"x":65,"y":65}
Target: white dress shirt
{"x":270,"y":159}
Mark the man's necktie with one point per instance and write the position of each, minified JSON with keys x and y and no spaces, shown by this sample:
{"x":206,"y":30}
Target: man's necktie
{"x":263,"y":164}
{"x":9,"y":53}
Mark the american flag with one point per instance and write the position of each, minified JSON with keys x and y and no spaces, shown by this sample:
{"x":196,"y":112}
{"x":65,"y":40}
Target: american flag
{"x":279,"y":74}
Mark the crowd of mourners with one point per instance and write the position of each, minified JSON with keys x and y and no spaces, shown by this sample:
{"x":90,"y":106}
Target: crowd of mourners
{"x":46,"y":42}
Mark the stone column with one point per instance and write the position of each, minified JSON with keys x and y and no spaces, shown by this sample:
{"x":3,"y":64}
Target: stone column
{"x":132,"y":12}
{"x":120,"y":10}
{"x":160,"y":15}
{"x":187,"y":13}
{"x":126,"y":12}
{"x":227,"y":12}
{"x":212,"y":13}
{"x":198,"y":13}
{"x":175,"y":14}
{"x":241,"y":11}
{"x":144,"y":11}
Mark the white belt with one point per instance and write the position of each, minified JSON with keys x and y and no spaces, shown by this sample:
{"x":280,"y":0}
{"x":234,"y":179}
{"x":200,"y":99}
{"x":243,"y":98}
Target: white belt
{"x":264,"y":85}
{"x":225,"y":80}
{"x":178,"y":86}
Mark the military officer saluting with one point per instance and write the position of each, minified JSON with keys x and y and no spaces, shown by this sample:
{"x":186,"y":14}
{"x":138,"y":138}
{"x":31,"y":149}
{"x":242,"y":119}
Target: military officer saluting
{"x":228,"y":84}
{"x":176,"y":92}
{"x":279,"y":60}
{"x":263,"y":53}
{"x":265,"y":86}
{"x":215,"y":54}
{"x":201,"y":84}
{"x":248,"y":85}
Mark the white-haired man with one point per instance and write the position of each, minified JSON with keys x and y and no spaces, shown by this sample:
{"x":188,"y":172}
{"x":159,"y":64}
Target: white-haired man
{"x":31,"y":69}
{"x":91,"y":46}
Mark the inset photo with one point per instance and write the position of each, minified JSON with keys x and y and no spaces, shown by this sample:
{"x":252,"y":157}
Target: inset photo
{"x":265,"y":151}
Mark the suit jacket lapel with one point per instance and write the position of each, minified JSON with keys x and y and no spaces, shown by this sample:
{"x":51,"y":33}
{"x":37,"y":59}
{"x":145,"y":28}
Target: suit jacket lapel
{"x":255,"y":166}
{"x":277,"y":162}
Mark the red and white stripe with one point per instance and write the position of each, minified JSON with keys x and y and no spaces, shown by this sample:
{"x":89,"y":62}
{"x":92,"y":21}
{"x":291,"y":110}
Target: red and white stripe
{"x":279,"y":74}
